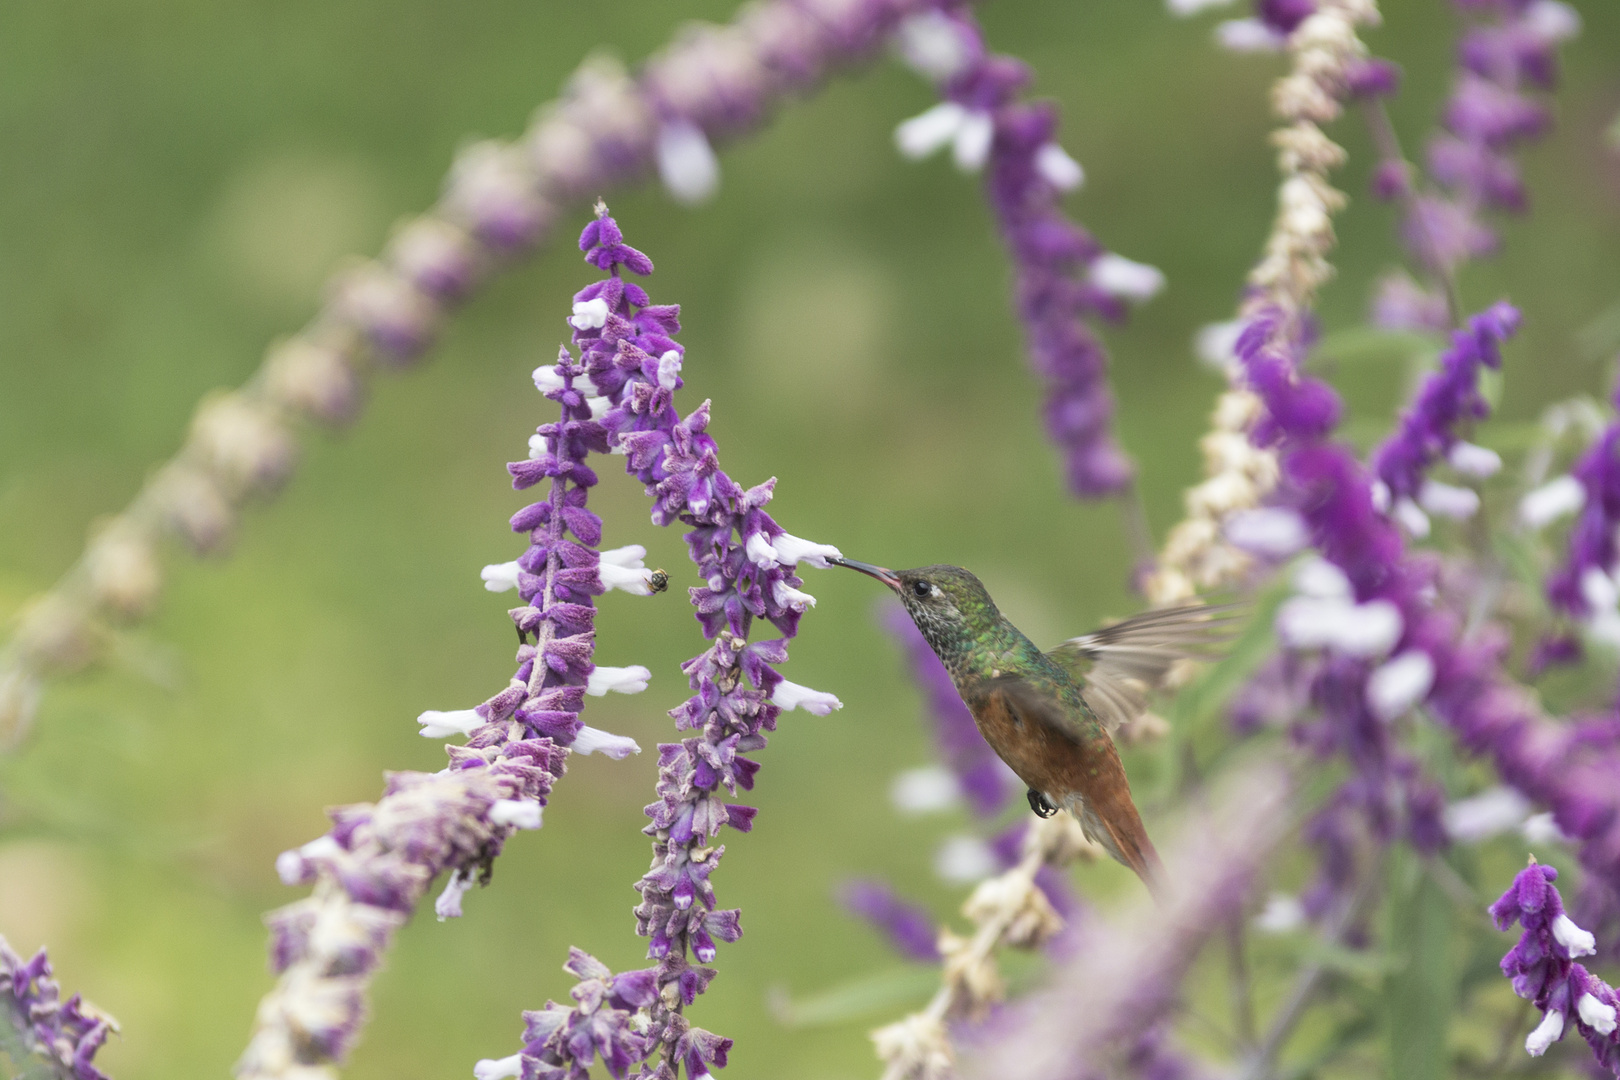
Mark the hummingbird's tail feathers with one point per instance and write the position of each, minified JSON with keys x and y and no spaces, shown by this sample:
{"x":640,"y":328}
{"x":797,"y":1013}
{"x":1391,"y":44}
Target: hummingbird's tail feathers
{"x":1120,"y":666}
{"x":1123,"y":836}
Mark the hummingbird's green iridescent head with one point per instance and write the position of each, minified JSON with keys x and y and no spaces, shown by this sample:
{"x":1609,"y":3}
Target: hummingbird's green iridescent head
{"x":950,"y":606}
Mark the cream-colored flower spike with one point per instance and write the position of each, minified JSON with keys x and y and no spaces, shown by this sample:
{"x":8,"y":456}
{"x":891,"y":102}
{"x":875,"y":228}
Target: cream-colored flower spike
{"x":1238,"y":476}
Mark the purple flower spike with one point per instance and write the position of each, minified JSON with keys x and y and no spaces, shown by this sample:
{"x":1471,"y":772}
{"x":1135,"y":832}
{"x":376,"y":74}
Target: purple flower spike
{"x":66,"y":1034}
{"x":1543,"y":970}
{"x":908,"y":928}
{"x":1582,"y":587}
{"x":1062,"y":275}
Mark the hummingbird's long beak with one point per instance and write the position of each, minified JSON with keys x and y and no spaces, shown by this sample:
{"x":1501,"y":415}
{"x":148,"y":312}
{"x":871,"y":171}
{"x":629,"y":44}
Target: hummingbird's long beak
{"x":886,"y":576}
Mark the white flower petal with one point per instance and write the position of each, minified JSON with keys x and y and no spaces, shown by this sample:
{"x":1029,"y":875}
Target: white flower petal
{"x":440,"y":725}
{"x":594,"y":741}
{"x":589,"y":315}
{"x":929,"y":131}
{"x":925,"y":790}
{"x":630,"y":556}
{"x":1551,"y":501}
{"x":1281,"y":914}
{"x":1595,"y":1014}
{"x":448,"y":904}
{"x":1448,"y":500}
{"x":624,"y":680}
{"x":1410,"y":518}
{"x":971,"y":148}
{"x":1549,"y":1031}
{"x":669,"y":368}
{"x":1579,"y":942}
{"x":1364,"y":630}
{"x":790,"y":695}
{"x":599,"y":407}
{"x":499,"y":577}
{"x":638,"y":582}
{"x":789,"y":597}
{"x":1126,"y":278}
{"x":1215,"y":344}
{"x":498,"y":1068}
{"x":759,"y":550}
{"x":1488,"y":814}
{"x":792,"y":550}
{"x":546,"y":377}
{"x":1475,"y":461}
{"x":1395,"y":687}
{"x":1318,"y":577}
{"x":538,"y":447}
{"x":1058,"y":168}
{"x":962,"y":859}
{"x":932,"y":45}
{"x":1540,"y":830}
{"x":1552,"y":21}
{"x":1248,"y":36}
{"x":1269,"y":531}
{"x":686,"y":163}
{"x":1184,"y":8}
{"x":519,"y":813}
{"x":1380,"y":496}
{"x":1603,"y":627}
{"x":1598,"y":590}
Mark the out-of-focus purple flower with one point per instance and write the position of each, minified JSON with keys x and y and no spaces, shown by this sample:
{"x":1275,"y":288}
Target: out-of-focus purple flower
{"x":1543,"y":970}
{"x":1592,"y":556}
{"x":1399,"y":303}
{"x":907,"y":927}
{"x":65,"y":1034}
{"x":983,"y":778}
{"x":1063,"y":276}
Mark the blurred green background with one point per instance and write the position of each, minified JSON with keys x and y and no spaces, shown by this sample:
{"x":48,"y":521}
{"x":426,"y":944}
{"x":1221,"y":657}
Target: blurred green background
{"x":179,"y":178}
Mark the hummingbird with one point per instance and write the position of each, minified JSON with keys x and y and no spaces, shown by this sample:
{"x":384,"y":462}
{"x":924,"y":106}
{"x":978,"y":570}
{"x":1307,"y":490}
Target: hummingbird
{"x":1049,"y":715}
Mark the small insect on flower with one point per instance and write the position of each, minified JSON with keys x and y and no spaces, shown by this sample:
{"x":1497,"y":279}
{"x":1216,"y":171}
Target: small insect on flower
{"x":658,"y":581}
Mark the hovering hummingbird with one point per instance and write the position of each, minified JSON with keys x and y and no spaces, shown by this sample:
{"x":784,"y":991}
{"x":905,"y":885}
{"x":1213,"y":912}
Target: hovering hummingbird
{"x":1049,"y":714}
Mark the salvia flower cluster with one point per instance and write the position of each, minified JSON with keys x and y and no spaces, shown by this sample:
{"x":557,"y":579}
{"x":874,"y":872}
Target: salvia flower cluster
{"x":1063,"y":276}
{"x":35,"y":1023}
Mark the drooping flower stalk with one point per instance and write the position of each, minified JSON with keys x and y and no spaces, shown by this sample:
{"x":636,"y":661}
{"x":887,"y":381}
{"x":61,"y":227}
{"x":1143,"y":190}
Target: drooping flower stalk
{"x":40,"y":1030}
{"x":498,"y":203}
{"x":371,"y":870}
{"x":1062,"y":276}
{"x":630,"y":358}
{"x":1543,"y":970}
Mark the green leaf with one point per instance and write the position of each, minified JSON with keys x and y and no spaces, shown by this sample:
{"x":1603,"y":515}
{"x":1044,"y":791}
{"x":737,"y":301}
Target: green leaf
{"x":861,"y":996}
{"x":1419,"y":992}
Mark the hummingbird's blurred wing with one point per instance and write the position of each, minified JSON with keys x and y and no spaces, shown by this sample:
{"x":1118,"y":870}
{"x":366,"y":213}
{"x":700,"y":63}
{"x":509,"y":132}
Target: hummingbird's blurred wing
{"x":1119,"y":666}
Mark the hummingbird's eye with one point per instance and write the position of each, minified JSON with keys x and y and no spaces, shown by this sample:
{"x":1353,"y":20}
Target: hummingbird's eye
{"x":921,"y":588}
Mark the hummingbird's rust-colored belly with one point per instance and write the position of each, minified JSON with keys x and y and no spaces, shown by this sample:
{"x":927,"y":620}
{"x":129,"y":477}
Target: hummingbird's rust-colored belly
{"x":1045,"y":758}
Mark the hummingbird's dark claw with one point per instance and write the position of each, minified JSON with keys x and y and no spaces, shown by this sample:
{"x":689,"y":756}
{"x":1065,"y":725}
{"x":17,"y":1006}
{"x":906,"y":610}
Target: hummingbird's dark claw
{"x":1040,"y":804}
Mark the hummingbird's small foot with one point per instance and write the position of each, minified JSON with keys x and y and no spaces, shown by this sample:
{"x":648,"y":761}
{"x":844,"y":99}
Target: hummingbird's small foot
{"x":1040,"y":804}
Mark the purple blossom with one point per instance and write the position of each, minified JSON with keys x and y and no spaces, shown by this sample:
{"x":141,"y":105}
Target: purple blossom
{"x":66,"y":1034}
{"x":1062,"y":275}
{"x":908,"y":928}
{"x":1543,"y":970}
{"x":1591,"y":541}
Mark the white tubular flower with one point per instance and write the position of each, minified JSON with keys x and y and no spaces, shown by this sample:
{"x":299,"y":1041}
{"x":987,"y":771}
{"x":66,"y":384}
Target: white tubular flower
{"x":1215,"y":344}
{"x":518,"y":813}
{"x":929,"y":131}
{"x":448,"y":905}
{"x":1448,"y":500}
{"x":1598,"y":590}
{"x":538,"y":447}
{"x":1400,"y":684}
{"x":634,"y":580}
{"x":686,"y":163}
{"x":291,"y":865}
{"x":1474,"y":461}
{"x":1248,"y":36}
{"x":624,"y":680}
{"x":1408,"y":515}
{"x":1281,"y":914}
{"x":546,"y":378}
{"x":1552,"y":21}
{"x":792,"y":550}
{"x":971,"y":148}
{"x":669,"y":368}
{"x":1363,"y":630}
{"x":1540,"y":830}
{"x":589,"y":314}
{"x":599,"y":407}
{"x":789,"y":597}
{"x":1318,"y":577}
{"x":1184,"y":8}
{"x":499,"y":577}
{"x":1058,"y":168}
{"x":1549,"y":1031}
{"x":1488,"y":814}
{"x":498,"y":1068}
{"x":630,"y":556}
{"x":1579,"y":942}
{"x":1126,"y":278}
{"x":1271,"y":532}
{"x":440,"y":725}
{"x":1551,"y":501}
{"x":759,"y":550}
{"x":594,"y":741}
{"x":1596,"y":1015}
{"x":927,"y":789}
{"x":1380,"y":496}
{"x":790,"y":695}
{"x":963,"y":859}
{"x":932,"y":45}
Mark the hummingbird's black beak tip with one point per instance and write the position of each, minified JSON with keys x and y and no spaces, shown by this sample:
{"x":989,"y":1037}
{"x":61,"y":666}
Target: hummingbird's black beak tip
{"x":886,"y":576}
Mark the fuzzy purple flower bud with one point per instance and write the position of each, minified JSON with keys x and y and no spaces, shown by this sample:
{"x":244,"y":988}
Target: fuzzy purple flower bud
{"x":66,"y":1034}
